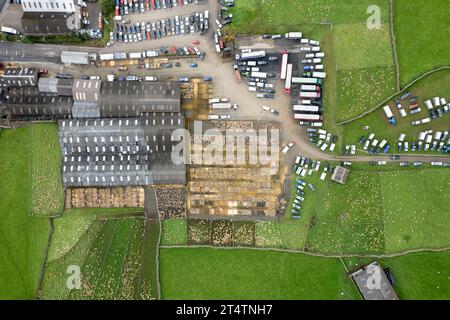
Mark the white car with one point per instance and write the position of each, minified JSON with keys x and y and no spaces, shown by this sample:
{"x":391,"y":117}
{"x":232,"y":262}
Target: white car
{"x":289,"y":146}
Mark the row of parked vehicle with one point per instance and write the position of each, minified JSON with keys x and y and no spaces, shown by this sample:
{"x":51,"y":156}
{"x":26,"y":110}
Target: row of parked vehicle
{"x":195,"y":23}
{"x":322,"y":138}
{"x":427,"y":141}
{"x":304,"y":167}
{"x":125,"y":7}
{"x":374,"y":145}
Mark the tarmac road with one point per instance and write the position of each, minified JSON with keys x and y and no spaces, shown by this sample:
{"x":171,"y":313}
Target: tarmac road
{"x":222,"y":72}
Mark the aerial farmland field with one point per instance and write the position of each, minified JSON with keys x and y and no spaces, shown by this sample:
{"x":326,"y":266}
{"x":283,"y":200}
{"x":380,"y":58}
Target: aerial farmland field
{"x":24,"y":238}
{"x":143,"y":169}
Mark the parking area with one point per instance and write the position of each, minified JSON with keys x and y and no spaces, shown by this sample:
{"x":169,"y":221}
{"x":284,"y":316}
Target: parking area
{"x":149,"y":21}
{"x":195,"y":23}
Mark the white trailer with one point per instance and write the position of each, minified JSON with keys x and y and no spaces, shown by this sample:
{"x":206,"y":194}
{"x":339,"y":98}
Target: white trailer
{"x":9,"y":30}
{"x":320,"y":75}
{"x":224,"y":106}
{"x":214,"y":100}
{"x":136,"y":55}
{"x":288,"y":85}
{"x":388,"y":112}
{"x":106,"y":57}
{"x":307,"y":117}
{"x":308,"y":87}
{"x":284,"y":64}
{"x":307,"y":108}
{"x":319,"y":55}
{"x":429,"y":104}
{"x":312,"y":95}
{"x":262,"y":75}
{"x":251,"y":55}
{"x":307,"y":80}
{"x":293,"y":35}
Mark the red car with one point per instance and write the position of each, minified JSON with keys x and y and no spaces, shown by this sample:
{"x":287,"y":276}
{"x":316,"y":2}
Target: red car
{"x":195,"y":42}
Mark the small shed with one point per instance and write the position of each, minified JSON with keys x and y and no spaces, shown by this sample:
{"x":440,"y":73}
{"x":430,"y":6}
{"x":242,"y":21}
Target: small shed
{"x":74,"y":57}
{"x":340,"y":175}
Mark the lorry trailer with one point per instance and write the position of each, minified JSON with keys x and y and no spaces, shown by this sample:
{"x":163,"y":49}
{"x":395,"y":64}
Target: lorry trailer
{"x":288,"y":85}
{"x":251,"y":55}
{"x":307,"y":117}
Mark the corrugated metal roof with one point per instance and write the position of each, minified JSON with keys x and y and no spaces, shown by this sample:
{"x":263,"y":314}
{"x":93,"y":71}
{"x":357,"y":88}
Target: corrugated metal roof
{"x":72,"y":57}
{"x":46,"y":23}
{"x":119,"y":152}
{"x":48,"y":85}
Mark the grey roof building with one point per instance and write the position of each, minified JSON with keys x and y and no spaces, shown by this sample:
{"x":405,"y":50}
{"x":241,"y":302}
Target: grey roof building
{"x":19,"y":77}
{"x":49,"y":23}
{"x":85,"y":110}
{"x":373,"y":283}
{"x":340,"y":175}
{"x":132,"y":99}
{"x":121,"y":152}
{"x":74,"y":57}
{"x":28,"y":101}
{"x":86,"y":90}
{"x":64,"y":87}
{"x":49,"y":85}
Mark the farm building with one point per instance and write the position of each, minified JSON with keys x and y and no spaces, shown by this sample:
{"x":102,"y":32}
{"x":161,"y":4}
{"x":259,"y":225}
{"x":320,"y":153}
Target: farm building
{"x":93,"y":98}
{"x":132,"y":99}
{"x":28,"y":101}
{"x":373,"y":283}
{"x":121,"y":152}
{"x":49,"y":85}
{"x":73,"y":57}
{"x":86,"y":90}
{"x":49,"y":23}
{"x":20,"y":77}
{"x":340,"y":175}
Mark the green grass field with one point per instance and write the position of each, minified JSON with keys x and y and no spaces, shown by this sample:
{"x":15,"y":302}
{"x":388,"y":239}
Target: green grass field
{"x":422,"y":30}
{"x":384,"y":211}
{"x":112,"y":255}
{"x":174,"y":232}
{"x":419,"y":276}
{"x":47,"y":193}
{"x":246,"y":274}
{"x":24,"y":238}
{"x":437,"y":84}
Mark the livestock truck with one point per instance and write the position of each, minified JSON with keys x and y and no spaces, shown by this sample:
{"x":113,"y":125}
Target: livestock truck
{"x":224,"y":106}
{"x":288,"y":85}
{"x":106,"y":57}
{"x":320,"y":75}
{"x":309,"y":87}
{"x":251,"y":55}
{"x":308,"y":94}
{"x":388,"y":112}
{"x":284,"y":64}
{"x":315,"y":81}
{"x":306,"y":108}
{"x":262,"y":75}
{"x":293,"y":35}
{"x":307,"y":117}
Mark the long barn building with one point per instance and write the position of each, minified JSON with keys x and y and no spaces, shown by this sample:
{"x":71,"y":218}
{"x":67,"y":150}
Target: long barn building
{"x":78,"y":99}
